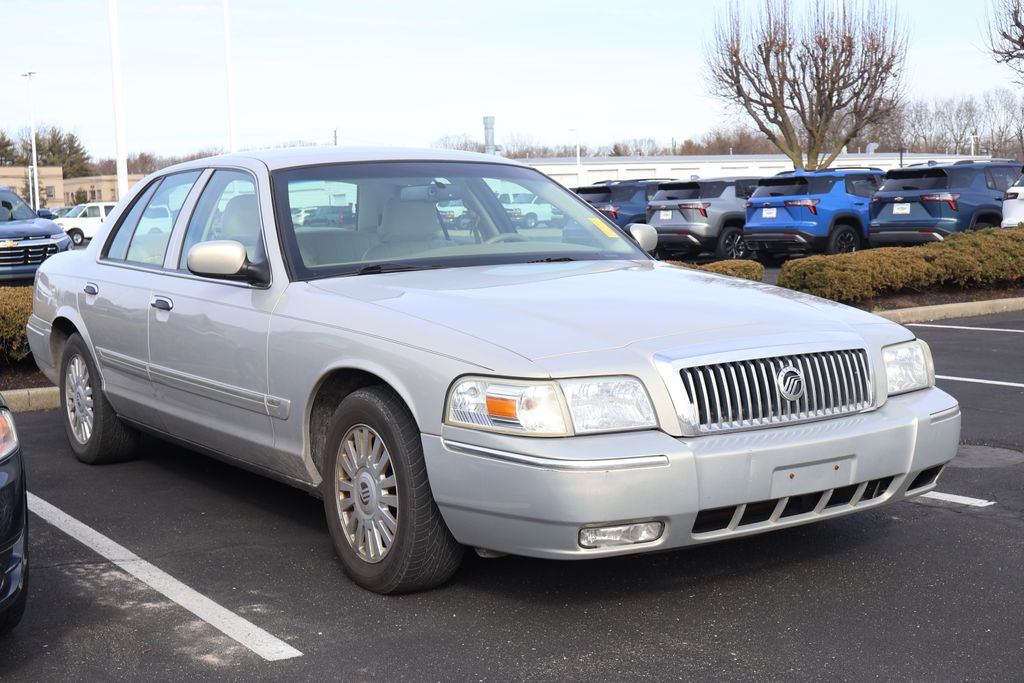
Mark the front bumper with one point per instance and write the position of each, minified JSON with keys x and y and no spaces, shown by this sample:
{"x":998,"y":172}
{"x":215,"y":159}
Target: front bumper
{"x":531,"y":496}
{"x":13,"y":531}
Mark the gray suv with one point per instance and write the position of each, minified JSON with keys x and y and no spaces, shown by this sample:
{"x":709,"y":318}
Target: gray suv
{"x":704,"y":215}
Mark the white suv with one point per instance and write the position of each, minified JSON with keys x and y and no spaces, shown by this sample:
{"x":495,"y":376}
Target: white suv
{"x":81,"y":222}
{"x":1013,"y":205}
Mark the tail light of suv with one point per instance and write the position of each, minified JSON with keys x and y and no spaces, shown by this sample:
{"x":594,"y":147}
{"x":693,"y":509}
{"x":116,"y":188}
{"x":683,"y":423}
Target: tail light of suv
{"x":948,"y":197}
{"x":811,"y":204}
{"x":699,"y":206}
{"x":612,"y":211}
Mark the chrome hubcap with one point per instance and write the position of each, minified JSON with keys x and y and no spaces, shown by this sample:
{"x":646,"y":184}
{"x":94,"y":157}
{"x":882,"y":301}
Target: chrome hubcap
{"x":78,"y":399}
{"x":367,"y":493}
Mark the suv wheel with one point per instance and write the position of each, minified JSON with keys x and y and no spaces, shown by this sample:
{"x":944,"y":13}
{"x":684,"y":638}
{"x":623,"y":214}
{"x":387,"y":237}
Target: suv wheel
{"x":383,"y":521}
{"x":843,"y":240}
{"x":731,"y":244}
{"x":95,"y":432}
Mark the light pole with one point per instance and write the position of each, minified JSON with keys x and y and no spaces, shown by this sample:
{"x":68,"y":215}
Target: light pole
{"x":579,"y":164}
{"x":33,"y":186}
{"x":230,"y":76}
{"x":115,"y":69}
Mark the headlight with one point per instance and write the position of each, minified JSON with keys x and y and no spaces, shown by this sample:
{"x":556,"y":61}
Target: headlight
{"x":8,"y":437}
{"x":908,"y":367}
{"x":59,"y":235}
{"x":550,"y":408}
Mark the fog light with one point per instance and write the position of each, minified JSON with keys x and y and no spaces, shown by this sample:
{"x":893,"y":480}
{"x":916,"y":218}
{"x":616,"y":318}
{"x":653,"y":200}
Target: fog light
{"x":625,"y":534}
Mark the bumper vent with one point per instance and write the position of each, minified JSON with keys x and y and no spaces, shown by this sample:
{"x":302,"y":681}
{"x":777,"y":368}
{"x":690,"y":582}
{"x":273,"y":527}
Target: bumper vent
{"x":720,"y":519}
{"x":750,"y":393}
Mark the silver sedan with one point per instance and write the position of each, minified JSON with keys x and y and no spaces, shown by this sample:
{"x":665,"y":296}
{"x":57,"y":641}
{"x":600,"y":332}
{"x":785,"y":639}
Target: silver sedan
{"x":550,"y":392}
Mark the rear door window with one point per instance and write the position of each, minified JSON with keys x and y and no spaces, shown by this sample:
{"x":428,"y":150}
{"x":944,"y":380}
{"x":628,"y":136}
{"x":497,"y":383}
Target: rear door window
{"x":862,"y":185}
{"x":143,"y":235}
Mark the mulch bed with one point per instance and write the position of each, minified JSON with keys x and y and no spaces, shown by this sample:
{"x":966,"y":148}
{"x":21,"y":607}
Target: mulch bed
{"x":932,"y":298}
{"x":23,"y":375}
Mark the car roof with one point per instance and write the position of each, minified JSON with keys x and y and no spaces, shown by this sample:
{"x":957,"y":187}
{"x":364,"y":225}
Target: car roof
{"x":966,"y":163}
{"x":312,"y":156}
{"x":838,"y":172}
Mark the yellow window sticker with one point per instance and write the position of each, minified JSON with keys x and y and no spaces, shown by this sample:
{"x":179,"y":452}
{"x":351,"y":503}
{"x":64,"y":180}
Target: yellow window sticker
{"x":603,"y":227}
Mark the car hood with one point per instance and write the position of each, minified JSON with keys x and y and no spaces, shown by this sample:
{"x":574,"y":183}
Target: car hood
{"x":547,"y":309}
{"x":38,"y":227}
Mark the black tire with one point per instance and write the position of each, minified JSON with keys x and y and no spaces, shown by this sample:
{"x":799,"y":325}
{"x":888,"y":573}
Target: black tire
{"x":422,"y":553}
{"x":108,"y":440}
{"x":982,"y":225}
{"x":76,"y":236}
{"x":530,"y":220}
{"x":10,"y":617}
{"x":731,"y":244}
{"x":844,"y":240}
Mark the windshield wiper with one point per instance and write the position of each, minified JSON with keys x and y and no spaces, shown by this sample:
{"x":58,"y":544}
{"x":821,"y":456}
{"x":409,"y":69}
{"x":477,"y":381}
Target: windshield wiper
{"x":376,"y":268}
{"x":552,"y":259}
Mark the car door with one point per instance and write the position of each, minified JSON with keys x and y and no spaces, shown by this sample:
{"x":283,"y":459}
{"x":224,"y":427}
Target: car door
{"x":208,"y":337}
{"x":114,"y":301}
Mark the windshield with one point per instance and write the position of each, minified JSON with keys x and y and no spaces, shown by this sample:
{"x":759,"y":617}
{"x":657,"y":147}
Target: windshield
{"x":402,"y":217}
{"x":75,"y":211}
{"x":924,"y":179}
{"x":13,"y":209}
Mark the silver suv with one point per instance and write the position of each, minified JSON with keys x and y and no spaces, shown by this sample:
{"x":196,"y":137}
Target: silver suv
{"x":550,"y":392}
{"x":702,"y":215}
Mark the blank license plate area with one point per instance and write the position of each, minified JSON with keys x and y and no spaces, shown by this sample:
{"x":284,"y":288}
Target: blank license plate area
{"x":665,"y":215}
{"x":901,"y":209}
{"x":819,"y":476}
{"x":768,"y":212}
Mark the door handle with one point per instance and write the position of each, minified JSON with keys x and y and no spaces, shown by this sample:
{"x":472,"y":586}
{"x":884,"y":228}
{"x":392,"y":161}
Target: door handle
{"x":161,"y":303}
{"x":91,"y":289}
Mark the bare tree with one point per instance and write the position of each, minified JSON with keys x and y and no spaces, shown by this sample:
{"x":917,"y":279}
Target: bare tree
{"x":464,"y":142}
{"x":1006,"y":35}
{"x":957,"y":118}
{"x":810,"y":85}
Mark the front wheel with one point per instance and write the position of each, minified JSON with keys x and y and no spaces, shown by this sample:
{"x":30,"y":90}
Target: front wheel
{"x":382,"y":517}
{"x":76,"y":237}
{"x":530,"y":221}
{"x":843,"y":240}
{"x":731,"y":244}
{"x":95,"y":432}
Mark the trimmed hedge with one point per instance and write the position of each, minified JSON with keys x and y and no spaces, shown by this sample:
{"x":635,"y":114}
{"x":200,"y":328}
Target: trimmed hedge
{"x":749,"y":270}
{"x":973,"y":260}
{"x":15,"y":308}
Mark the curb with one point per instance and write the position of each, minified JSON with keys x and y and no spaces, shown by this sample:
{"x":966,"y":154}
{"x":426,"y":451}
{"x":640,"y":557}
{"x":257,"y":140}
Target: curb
{"x":923,"y":314}
{"x":26,"y":400}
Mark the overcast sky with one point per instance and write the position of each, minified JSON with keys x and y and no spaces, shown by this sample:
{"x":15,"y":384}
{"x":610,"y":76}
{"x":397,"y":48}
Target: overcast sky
{"x":406,"y":73}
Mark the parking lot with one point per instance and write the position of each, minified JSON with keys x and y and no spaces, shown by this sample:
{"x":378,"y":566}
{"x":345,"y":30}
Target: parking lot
{"x":923,"y":590}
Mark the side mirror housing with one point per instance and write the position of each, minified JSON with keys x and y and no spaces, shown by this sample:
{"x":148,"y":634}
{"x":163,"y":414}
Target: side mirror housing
{"x":645,"y":235}
{"x":46,"y":213}
{"x":226,"y":260}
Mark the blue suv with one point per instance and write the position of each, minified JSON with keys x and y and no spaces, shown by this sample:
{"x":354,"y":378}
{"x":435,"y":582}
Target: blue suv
{"x":623,"y":201}
{"x":26,"y":238}
{"x":927,"y":203}
{"x":811,"y":211}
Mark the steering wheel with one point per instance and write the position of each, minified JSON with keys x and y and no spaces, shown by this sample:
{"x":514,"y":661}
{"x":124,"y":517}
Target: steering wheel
{"x":506,"y":237}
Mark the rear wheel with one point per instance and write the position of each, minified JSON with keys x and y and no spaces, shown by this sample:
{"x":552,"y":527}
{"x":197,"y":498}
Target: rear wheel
{"x":95,"y":432}
{"x":76,"y":236}
{"x":530,"y":221}
{"x":843,"y":240}
{"x":731,"y":244}
{"x":385,"y":525}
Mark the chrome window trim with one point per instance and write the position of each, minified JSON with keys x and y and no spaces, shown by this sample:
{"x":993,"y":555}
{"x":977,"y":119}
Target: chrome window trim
{"x":671,"y":362}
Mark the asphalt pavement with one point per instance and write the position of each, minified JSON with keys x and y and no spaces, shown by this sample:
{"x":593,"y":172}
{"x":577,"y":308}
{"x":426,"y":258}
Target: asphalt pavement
{"x":926,"y":590}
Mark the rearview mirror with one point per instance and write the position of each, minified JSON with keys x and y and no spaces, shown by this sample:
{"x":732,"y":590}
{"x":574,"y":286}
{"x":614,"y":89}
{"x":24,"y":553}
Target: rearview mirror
{"x":645,"y":235}
{"x":226,"y":260}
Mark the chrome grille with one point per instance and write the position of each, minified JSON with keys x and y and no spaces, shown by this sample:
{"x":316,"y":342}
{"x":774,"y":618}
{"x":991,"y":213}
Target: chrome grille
{"x":745,"y":394}
{"x":26,"y":254}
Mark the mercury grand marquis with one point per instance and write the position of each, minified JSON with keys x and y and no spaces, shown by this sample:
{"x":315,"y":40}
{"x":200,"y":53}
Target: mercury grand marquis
{"x":551,"y":392}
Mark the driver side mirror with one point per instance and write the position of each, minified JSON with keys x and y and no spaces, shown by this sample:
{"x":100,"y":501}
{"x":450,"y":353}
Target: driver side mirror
{"x":45,"y":213}
{"x":226,"y":260}
{"x":645,"y":235}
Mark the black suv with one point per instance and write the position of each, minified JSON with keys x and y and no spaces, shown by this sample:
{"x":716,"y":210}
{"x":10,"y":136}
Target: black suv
{"x":623,"y":201}
{"x":927,"y":203}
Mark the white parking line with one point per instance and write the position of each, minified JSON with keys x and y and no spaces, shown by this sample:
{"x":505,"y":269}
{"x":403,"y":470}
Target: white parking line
{"x":980,"y":381}
{"x":962,"y":500}
{"x":227,"y":622}
{"x":964,"y":327}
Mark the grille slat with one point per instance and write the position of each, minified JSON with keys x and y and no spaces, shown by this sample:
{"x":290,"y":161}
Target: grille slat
{"x":744,"y":394}
{"x":26,"y":254}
